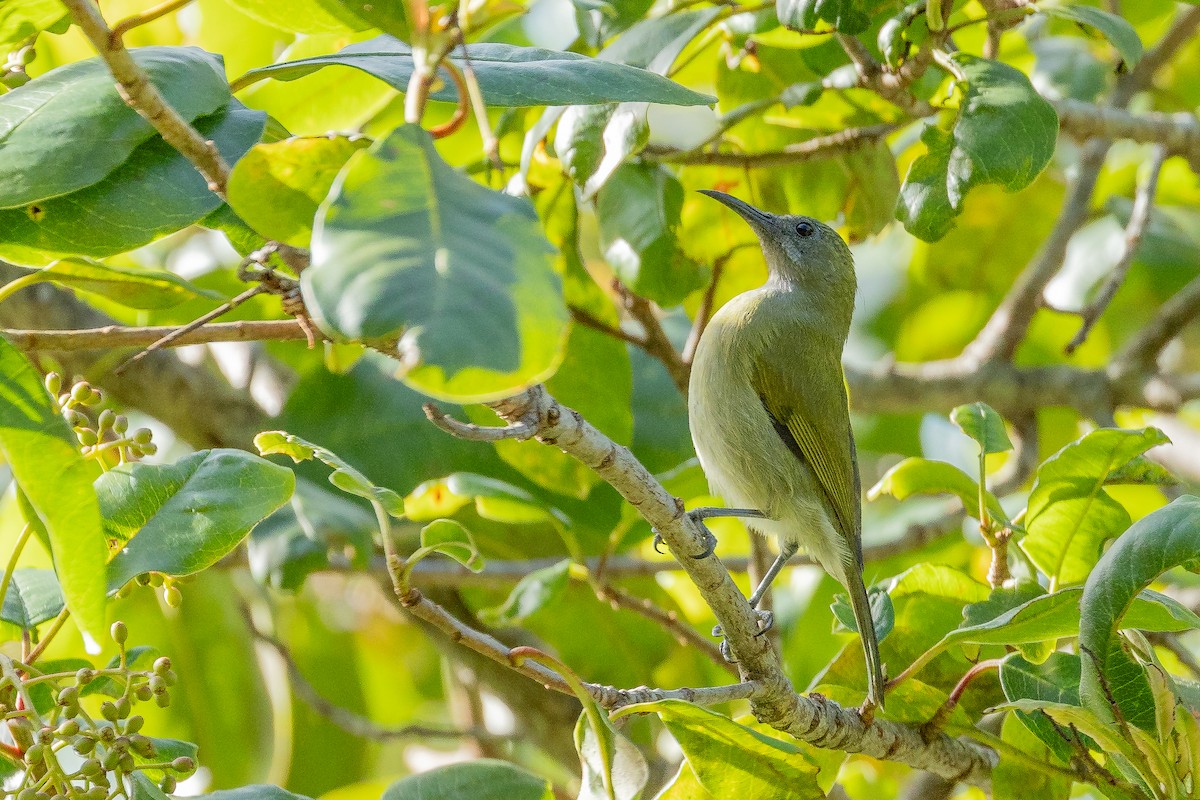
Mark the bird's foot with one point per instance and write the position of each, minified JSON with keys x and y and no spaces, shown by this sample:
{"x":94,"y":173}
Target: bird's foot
{"x":765,"y":619}
{"x":866,"y":711}
{"x":710,"y":540}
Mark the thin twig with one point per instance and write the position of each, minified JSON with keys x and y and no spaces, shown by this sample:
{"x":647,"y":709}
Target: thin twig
{"x":705,"y":311}
{"x":114,"y":336}
{"x":829,"y":146}
{"x":137,"y":20}
{"x":656,"y":343}
{"x":585,"y":317}
{"x":1141,"y":351}
{"x":1139,"y":218}
{"x":142,"y":96}
{"x":668,"y":620}
{"x":455,"y":122}
{"x":477,"y":433}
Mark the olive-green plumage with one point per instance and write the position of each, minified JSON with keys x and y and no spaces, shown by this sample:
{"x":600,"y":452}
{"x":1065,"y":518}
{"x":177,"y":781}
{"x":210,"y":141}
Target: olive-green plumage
{"x":768,"y":409}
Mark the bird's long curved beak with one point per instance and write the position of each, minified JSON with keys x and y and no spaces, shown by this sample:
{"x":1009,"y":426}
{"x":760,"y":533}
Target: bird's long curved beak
{"x":747,"y":212}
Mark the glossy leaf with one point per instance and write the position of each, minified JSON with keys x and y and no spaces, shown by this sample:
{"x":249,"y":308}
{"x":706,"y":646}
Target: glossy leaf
{"x":451,"y":539}
{"x":1070,"y":516}
{"x":1161,"y":540}
{"x":508,"y":75}
{"x":406,"y":243}
{"x":344,"y":476}
{"x":33,"y":597}
{"x":997,"y":100}
{"x":155,"y":191}
{"x":23,"y":19}
{"x":655,"y":43}
{"x":180,"y":518}
{"x":69,"y":128}
{"x":807,"y":15}
{"x":41,"y":452}
{"x":532,"y":593}
{"x":731,"y":760}
{"x":277,"y":187}
{"x":883,"y":615}
{"x":1055,"y":680}
{"x":482,"y":779}
{"x":1116,"y":29}
{"x":1012,"y":780}
{"x":981,"y":422}
{"x":613,"y":767}
{"x":303,"y":16}
{"x":923,"y":476}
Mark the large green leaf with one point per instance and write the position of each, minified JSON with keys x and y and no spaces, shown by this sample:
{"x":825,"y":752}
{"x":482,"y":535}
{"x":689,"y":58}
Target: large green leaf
{"x":1055,"y":680}
{"x":1004,"y":134}
{"x":181,"y":518}
{"x":482,"y":779}
{"x":1013,"y":780}
{"x":807,"y":15}
{"x":1070,"y":516}
{"x":69,"y":128}
{"x":303,"y":16}
{"x":407,"y":244}
{"x":40,"y":450}
{"x":277,"y":187}
{"x":1154,"y":544}
{"x":155,"y":191}
{"x":654,"y":44}
{"x":33,"y":597}
{"x":1115,"y":29}
{"x":508,"y":75}
{"x":731,"y":760}
{"x":130,"y":286}
{"x":260,"y":791}
{"x":23,"y":19}
{"x":638,"y":210}
{"x":923,"y":476}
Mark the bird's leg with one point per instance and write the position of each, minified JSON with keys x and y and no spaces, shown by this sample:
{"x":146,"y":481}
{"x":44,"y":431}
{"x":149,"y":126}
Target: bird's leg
{"x":698,"y":515}
{"x":765,"y":618}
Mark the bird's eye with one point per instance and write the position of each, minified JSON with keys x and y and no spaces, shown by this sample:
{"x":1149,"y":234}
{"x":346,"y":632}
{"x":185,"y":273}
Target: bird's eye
{"x":805,"y":228}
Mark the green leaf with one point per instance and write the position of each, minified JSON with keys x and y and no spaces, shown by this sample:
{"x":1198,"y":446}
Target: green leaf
{"x":145,"y":789}
{"x":155,"y":191}
{"x":1163,"y":539}
{"x":534,"y":592}
{"x":923,"y":476}
{"x":1002,"y":599}
{"x":806,"y":15}
{"x":508,"y":75}
{"x":451,"y":539}
{"x":731,"y":760}
{"x":482,"y":779}
{"x":277,"y":187}
{"x":344,"y":476}
{"x":69,"y":128}
{"x":655,"y":43}
{"x":981,"y":422}
{"x":40,"y":450}
{"x":638,"y":210}
{"x":883,"y":615}
{"x":1055,"y":680}
{"x":33,"y":597}
{"x":23,"y":19}
{"x":998,"y":99}
{"x":180,"y":518}
{"x":303,"y":16}
{"x":256,"y":792}
{"x":1012,"y":780}
{"x":130,"y":286}
{"x":1070,"y":516}
{"x":406,"y":243}
{"x":1119,"y":32}
{"x":613,"y":767}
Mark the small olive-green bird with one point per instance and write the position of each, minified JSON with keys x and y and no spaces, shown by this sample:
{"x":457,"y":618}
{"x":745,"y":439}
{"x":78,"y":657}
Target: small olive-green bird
{"x":768,"y":409}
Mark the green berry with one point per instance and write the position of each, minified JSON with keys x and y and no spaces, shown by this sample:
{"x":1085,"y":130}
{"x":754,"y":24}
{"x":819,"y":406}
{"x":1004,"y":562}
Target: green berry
{"x":120,"y":424}
{"x":68,"y":729}
{"x":35,"y":753}
{"x":120,"y":743}
{"x":142,"y":436}
{"x":157,"y":684}
{"x":156,"y":579}
{"x":110,"y":760}
{"x":108,"y":735}
{"x":123,"y":707}
{"x":91,"y":767}
{"x":81,"y":392}
{"x":162,"y":700}
{"x":53,"y":383}
{"x":120,"y":634}
{"x":171,"y":595}
{"x":143,"y":746}
{"x":69,"y":695}
{"x":183,"y":764}
{"x":95,"y":793}
{"x":126,"y":762}
{"x":162,"y":665}
{"x":148,"y":449}
{"x":143,"y":692}
{"x":134,"y":723}
{"x":84,"y":745}
{"x":45,"y":735}
{"x":87,"y":437}
{"x":108,"y":710}
{"x":28,"y":793}
{"x":171,"y":678}
{"x":106,"y":419}
{"x":83,"y":677}
{"x":167,"y":784}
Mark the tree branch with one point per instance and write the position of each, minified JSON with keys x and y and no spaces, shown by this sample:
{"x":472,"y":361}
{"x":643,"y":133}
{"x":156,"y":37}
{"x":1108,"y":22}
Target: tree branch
{"x":1178,"y":133}
{"x":813,"y":719}
{"x":829,"y":146}
{"x":655,"y":338}
{"x":1140,"y":352}
{"x":141,"y":95}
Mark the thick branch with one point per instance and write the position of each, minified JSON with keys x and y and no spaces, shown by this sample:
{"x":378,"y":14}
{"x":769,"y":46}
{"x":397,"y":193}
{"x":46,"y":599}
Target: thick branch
{"x":113,"y":336}
{"x":1178,"y":133}
{"x":141,"y":95}
{"x":813,"y":719}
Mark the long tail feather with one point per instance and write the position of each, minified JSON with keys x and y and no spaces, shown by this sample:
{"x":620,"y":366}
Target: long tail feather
{"x":866,"y":629}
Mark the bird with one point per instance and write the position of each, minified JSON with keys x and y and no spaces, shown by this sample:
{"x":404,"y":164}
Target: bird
{"x":769,"y":413}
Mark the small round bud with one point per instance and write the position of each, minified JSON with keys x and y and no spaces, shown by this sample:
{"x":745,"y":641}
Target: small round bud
{"x":108,"y":735}
{"x":81,"y":392}
{"x":172,"y":596}
{"x":35,"y":753}
{"x":142,"y":436}
{"x":108,"y":710}
{"x":143,"y":692}
{"x":28,"y":793}
{"x":68,"y":695}
{"x":53,"y":383}
{"x":162,"y":700}
{"x":84,"y":676}
{"x":126,"y":762}
{"x":120,"y":634}
{"x":143,"y":579}
{"x":84,"y":745}
{"x":168,"y":783}
{"x":123,"y":707}
{"x":45,"y":735}
{"x":120,"y":424}
{"x":95,"y":793}
{"x":183,"y":764}
{"x":68,"y":729}
{"x":87,"y":437}
{"x":106,"y":419}
{"x":75,"y":419}
{"x":171,"y":677}
{"x":90,"y":767}
{"x":148,"y":449}
{"x":143,"y":746}
{"x":110,"y":760}
{"x":162,"y":665}
{"x":134,"y":723}
{"x":120,"y":743}
{"x":64,"y":399}
{"x":157,"y":684}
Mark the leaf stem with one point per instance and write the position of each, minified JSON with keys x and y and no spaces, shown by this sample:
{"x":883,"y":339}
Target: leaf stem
{"x":59,"y":621}
{"x":12,"y":287}
{"x":147,"y":16}
{"x":12,"y":561}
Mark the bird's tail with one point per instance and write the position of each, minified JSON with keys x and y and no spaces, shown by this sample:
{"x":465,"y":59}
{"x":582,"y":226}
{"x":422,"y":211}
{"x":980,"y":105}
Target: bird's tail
{"x":866,"y":630}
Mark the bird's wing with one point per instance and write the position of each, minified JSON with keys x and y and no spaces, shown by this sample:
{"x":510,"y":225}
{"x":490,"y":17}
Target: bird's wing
{"x":816,"y":430}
